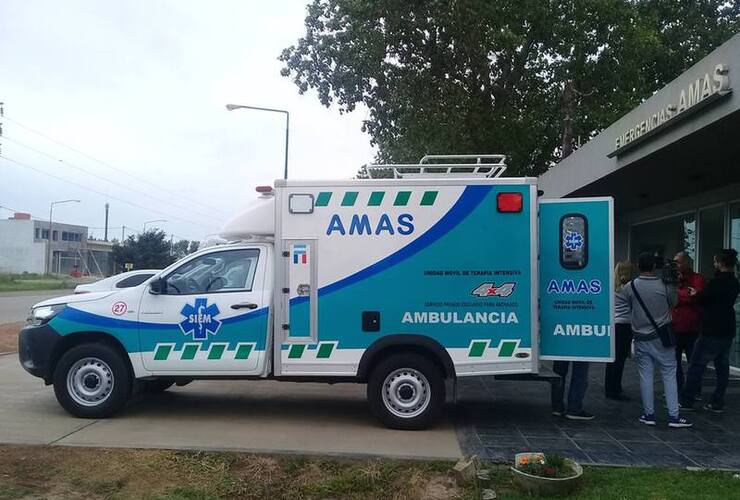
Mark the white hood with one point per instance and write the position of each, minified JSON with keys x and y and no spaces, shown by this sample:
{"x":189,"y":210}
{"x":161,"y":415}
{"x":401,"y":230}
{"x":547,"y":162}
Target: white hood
{"x":255,"y":221}
{"x":73,"y":299}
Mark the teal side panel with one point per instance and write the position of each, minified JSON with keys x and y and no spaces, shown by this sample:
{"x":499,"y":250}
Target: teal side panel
{"x":428,"y":287}
{"x":138,"y":336}
{"x":576,"y":315}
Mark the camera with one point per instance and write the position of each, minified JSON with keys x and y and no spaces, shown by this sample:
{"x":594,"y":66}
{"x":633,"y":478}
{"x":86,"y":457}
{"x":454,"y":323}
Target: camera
{"x":667,"y":270}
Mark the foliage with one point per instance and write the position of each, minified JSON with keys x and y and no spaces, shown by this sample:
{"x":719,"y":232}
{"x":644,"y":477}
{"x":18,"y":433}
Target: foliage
{"x":150,"y":250}
{"x":547,"y":466}
{"x":521,"y":77}
{"x":32,"y":281}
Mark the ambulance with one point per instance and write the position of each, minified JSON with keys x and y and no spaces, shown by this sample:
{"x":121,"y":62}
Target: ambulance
{"x":406,"y":282}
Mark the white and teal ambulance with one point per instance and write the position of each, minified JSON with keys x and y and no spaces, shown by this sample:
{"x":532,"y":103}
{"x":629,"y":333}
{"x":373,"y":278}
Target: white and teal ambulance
{"x":444,"y":270}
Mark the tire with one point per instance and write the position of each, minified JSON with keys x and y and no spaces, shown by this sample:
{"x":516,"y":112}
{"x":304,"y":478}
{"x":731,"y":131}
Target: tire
{"x":406,"y":391}
{"x":156,"y":386}
{"x":92,"y":381}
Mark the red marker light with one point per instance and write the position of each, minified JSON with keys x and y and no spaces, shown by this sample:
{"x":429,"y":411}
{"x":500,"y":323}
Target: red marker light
{"x":509,"y":202}
{"x":264,"y":189}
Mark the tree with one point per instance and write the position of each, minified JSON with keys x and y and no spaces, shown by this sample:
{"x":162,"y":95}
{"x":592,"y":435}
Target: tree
{"x":521,"y":77}
{"x":147,"y":250}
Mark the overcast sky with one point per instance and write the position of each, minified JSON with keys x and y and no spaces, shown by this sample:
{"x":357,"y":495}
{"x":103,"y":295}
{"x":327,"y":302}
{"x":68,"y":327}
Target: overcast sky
{"x":141,"y":85}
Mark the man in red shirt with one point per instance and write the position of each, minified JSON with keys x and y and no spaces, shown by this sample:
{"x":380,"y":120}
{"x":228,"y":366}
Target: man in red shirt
{"x":686,"y":315}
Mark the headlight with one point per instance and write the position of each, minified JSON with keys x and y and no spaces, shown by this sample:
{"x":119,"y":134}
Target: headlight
{"x":44,"y":314}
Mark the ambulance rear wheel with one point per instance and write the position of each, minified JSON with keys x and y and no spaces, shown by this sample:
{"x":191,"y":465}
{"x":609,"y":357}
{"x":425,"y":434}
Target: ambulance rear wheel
{"x":92,"y":381}
{"x":406,"y":391}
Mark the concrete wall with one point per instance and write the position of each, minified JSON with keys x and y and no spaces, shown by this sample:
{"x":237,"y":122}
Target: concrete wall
{"x":19,"y":252}
{"x":590,"y":163}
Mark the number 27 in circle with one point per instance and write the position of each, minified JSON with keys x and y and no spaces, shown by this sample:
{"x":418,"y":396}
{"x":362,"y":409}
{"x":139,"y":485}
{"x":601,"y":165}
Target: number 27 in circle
{"x":119,"y":308}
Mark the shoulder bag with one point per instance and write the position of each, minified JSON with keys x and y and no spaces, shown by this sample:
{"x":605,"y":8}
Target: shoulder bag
{"x":665,"y":332}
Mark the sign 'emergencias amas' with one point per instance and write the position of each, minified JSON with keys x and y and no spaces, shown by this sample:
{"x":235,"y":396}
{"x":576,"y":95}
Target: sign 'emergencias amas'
{"x":712,"y":83}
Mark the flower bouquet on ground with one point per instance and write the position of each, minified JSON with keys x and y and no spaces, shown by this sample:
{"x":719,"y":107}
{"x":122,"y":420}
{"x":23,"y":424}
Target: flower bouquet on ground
{"x":546,"y":474}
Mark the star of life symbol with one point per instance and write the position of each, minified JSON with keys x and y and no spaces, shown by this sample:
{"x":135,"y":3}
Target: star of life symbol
{"x":200,"y":319}
{"x":492,"y":290}
{"x":573,"y":240}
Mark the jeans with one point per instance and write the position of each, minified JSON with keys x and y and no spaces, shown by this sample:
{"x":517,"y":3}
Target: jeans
{"x":622,"y":342}
{"x":648,"y":355}
{"x":578,"y":385}
{"x":706,"y":349}
{"x":684,"y":344}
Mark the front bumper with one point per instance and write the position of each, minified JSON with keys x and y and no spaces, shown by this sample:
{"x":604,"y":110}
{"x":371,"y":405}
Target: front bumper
{"x":36,"y":345}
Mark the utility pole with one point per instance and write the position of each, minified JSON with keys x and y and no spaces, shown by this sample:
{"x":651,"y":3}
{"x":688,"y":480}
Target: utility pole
{"x":107,"y":206}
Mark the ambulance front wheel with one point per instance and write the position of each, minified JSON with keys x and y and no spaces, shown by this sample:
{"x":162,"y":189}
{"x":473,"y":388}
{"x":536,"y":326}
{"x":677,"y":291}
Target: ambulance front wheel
{"x":92,"y":381}
{"x":406,"y":391}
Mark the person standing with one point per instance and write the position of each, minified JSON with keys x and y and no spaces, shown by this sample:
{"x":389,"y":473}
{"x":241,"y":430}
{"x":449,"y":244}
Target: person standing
{"x":686,"y":314}
{"x":622,"y":334}
{"x":651,"y":301}
{"x":717,"y":332}
{"x":576,"y":391}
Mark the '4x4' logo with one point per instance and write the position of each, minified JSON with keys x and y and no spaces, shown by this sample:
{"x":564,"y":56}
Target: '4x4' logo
{"x":200,"y":319}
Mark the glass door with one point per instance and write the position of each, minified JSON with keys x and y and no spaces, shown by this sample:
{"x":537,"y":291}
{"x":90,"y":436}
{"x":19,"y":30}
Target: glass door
{"x":735,"y":243}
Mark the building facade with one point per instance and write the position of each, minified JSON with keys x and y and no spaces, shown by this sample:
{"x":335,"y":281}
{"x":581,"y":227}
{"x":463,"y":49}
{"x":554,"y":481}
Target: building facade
{"x":672,"y":165}
{"x":26,"y":244}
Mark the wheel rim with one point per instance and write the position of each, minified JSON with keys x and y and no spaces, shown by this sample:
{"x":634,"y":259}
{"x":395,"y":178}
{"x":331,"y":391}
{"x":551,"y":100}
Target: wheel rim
{"x":406,"y":393}
{"x":90,"y":381}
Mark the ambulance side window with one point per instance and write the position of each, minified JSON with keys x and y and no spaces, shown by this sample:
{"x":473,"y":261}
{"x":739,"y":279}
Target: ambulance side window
{"x":226,"y":271}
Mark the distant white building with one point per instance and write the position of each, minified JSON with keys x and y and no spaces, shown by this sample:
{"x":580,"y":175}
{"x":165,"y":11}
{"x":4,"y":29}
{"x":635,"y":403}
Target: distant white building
{"x":23,"y":248}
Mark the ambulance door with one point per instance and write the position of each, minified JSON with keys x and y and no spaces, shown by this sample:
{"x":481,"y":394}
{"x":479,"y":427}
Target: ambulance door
{"x":576,"y":279}
{"x":298,"y":324}
{"x":209,"y":315}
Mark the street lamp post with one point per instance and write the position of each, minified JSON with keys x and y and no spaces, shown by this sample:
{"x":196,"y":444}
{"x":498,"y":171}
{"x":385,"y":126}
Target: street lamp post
{"x":151,"y":222}
{"x":232,"y":107}
{"x":50,"y":238}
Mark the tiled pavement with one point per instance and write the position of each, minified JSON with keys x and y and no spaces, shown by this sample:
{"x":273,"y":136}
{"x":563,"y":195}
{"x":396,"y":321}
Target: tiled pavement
{"x":496,"y":419}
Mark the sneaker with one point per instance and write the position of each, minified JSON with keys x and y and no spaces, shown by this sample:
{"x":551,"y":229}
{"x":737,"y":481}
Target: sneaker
{"x":558,"y":413}
{"x":697,"y":397}
{"x":714,"y":408}
{"x":647,"y":419}
{"x":678,"y":422}
{"x":581,"y":415}
{"x":684,"y":407}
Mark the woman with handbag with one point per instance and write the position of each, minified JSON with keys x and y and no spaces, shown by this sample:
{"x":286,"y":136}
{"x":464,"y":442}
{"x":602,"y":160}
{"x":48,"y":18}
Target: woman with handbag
{"x":622,"y":334}
{"x":717,"y":333}
{"x":651,"y":301}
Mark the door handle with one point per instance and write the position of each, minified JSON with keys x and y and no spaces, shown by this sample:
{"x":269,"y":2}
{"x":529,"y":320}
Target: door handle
{"x":245,"y":305}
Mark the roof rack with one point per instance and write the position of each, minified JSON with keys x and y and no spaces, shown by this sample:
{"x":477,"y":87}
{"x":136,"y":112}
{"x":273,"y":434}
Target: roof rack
{"x":434,"y":166}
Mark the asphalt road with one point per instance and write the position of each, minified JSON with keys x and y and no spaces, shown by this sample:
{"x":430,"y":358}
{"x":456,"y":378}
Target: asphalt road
{"x":14,"y":306}
{"x":255,"y":416}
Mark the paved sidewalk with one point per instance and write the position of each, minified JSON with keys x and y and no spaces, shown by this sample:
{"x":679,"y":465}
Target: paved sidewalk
{"x":254,"y":416}
{"x":497,"y":419}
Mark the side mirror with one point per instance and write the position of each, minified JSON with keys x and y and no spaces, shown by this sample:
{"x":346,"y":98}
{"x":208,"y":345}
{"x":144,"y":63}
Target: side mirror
{"x":158,"y":286}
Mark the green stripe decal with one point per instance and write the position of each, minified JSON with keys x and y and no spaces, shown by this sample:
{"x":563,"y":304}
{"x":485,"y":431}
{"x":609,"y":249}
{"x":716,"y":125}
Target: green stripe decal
{"x":402,"y":198}
{"x":325,"y":350}
{"x":296,"y":351}
{"x":506,"y":349}
{"x":162,"y":352}
{"x":216,"y":351}
{"x":243,"y":351}
{"x":428,"y":198}
{"x":376,"y":198}
{"x":349,"y":199}
{"x":189,"y":351}
{"x":323,"y":198}
{"x":477,"y":348}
